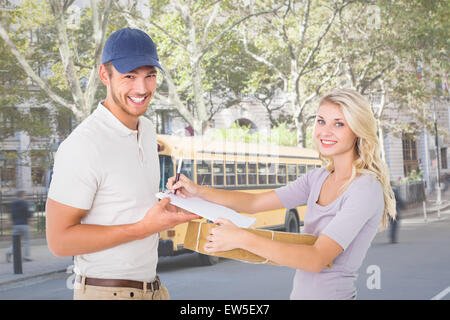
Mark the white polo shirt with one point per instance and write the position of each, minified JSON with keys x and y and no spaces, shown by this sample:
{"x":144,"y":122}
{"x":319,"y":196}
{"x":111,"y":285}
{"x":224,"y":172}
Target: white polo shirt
{"x":113,"y":172}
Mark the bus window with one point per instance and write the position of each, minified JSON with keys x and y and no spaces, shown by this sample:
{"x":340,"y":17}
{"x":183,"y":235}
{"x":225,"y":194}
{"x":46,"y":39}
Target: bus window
{"x":231,"y":173}
{"x":318,"y":166}
{"x":241,"y":173}
{"x":310,"y":167}
{"x":281,"y":173}
{"x":292,"y":172}
{"x":218,"y":173}
{"x":252,"y":173}
{"x":262,"y":173}
{"x":272,"y":173}
{"x":186,"y":168}
{"x":166,"y":170}
{"x":204,"y":173}
{"x":301,"y":170}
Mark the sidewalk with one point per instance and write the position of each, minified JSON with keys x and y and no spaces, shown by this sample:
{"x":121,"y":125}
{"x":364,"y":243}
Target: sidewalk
{"x":431,"y":206}
{"x":44,"y":262}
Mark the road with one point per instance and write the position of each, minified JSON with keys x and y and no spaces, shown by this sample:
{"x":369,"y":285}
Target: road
{"x":414,"y":268}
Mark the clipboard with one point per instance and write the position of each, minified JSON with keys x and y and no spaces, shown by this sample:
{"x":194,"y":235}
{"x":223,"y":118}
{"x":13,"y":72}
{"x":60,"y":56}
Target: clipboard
{"x":208,"y":210}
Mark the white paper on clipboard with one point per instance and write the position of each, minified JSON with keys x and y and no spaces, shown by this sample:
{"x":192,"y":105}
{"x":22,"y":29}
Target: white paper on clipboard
{"x":208,"y":210}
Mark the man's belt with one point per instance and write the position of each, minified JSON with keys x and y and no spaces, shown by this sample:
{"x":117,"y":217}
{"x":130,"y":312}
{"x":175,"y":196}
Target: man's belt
{"x":151,"y":286}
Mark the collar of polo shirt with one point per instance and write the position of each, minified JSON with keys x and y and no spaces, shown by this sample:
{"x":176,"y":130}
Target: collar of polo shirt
{"x":111,"y":121}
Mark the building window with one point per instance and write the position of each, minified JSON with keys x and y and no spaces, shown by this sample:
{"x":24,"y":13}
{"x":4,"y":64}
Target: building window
{"x":9,"y":117}
{"x":444,"y":164}
{"x":410,"y":161}
{"x":9,"y":172}
{"x":39,"y":166}
{"x":41,"y":122}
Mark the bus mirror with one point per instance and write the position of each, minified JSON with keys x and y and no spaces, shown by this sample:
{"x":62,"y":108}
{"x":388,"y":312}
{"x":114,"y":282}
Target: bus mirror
{"x":160,"y":147}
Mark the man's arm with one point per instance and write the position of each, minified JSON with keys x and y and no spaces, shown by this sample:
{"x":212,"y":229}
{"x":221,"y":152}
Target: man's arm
{"x":66,"y":236}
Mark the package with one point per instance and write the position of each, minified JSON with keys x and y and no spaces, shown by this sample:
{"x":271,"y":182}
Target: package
{"x":197,"y":232}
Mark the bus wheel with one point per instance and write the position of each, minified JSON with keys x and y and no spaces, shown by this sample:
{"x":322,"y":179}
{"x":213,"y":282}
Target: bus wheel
{"x":206,"y":260}
{"x":291,"y":224}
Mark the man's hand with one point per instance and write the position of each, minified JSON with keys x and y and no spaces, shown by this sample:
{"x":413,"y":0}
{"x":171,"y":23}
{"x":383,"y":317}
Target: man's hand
{"x":163,"y":216}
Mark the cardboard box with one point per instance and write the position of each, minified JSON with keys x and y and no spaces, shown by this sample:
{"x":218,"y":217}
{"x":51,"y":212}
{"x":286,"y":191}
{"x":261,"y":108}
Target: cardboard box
{"x":197,"y":232}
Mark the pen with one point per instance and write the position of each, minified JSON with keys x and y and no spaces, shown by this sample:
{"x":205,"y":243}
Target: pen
{"x":178,"y":172}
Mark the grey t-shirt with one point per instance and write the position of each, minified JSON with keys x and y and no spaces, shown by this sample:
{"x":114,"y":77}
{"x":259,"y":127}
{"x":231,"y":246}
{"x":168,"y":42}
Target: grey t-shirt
{"x":352,"y":220}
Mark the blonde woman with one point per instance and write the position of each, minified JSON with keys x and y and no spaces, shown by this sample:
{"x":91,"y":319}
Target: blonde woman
{"x":346,"y":203}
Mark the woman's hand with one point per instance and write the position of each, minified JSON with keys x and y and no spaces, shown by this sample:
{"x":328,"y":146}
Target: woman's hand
{"x":227,"y":236}
{"x":185,"y":187}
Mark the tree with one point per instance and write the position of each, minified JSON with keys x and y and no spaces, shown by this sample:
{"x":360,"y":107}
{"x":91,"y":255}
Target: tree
{"x":383,"y":43}
{"x":292,"y":45}
{"x":191,"y":37}
{"x":73,"y":80}
{"x":15,"y":91}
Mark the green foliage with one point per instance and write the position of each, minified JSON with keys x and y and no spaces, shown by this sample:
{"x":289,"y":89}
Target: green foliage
{"x":280,"y":135}
{"x":413,"y":176}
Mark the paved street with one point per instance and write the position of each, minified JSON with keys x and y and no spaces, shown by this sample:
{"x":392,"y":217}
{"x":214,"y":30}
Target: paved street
{"x":414,"y":268}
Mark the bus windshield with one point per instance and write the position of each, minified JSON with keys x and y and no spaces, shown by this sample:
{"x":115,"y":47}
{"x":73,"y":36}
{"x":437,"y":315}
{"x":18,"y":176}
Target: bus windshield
{"x":186,"y":168}
{"x":166,"y":170}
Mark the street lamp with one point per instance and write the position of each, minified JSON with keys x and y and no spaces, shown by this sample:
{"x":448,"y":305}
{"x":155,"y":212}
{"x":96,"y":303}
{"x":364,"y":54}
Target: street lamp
{"x":2,"y":164}
{"x":438,"y":171}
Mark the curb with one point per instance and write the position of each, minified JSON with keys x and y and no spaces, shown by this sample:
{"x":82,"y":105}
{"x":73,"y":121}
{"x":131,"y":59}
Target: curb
{"x":31,"y":277}
{"x":429,"y":212}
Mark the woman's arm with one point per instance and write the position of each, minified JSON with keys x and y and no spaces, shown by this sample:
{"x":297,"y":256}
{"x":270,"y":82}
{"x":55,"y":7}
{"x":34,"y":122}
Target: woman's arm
{"x":236,"y":200}
{"x":313,"y":258}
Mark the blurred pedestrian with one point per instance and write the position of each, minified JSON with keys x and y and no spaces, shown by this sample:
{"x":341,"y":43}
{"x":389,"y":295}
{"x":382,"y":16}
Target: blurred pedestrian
{"x":399,"y":205}
{"x":20,"y":213}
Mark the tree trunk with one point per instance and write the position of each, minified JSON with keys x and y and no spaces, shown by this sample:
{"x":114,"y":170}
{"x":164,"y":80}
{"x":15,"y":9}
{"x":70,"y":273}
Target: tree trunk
{"x":381,"y":139}
{"x":301,"y":132}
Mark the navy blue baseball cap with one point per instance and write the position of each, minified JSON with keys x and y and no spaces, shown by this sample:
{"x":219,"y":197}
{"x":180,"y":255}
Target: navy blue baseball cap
{"x":128,"y":49}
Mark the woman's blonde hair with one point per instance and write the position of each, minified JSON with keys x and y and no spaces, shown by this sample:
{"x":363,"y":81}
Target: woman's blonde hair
{"x":360,"y":118}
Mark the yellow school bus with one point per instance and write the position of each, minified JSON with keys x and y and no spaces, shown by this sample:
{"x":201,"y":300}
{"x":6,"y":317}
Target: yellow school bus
{"x":228,"y":165}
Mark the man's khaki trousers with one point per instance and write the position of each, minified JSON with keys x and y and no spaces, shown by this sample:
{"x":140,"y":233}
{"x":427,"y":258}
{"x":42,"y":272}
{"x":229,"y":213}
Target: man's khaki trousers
{"x":87,"y":292}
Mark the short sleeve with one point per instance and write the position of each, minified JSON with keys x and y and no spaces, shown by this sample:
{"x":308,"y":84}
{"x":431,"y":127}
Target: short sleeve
{"x":75,"y":178}
{"x":364,"y":203}
{"x":295,"y":193}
